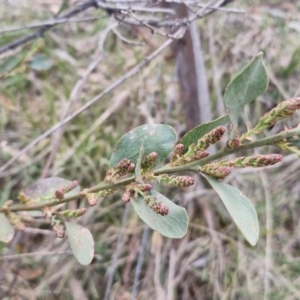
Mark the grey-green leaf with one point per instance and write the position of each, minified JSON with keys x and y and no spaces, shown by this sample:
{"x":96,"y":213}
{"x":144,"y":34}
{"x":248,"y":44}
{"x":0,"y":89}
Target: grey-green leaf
{"x":198,"y":132}
{"x":245,"y":87}
{"x":239,"y":207}
{"x":173,"y":225}
{"x":6,"y":230}
{"x":40,"y":62}
{"x":154,"y":137}
{"x":81,"y":241}
{"x":43,"y":190}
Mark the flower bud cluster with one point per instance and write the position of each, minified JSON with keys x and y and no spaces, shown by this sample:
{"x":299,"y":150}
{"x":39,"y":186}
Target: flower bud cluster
{"x":73,"y":213}
{"x":121,"y":169}
{"x":177,"y":153}
{"x":135,"y":188}
{"x":281,"y":111}
{"x":193,"y":153}
{"x":149,"y":161}
{"x":256,"y":161}
{"x":59,"y":194}
{"x":157,"y":206}
{"x":160,"y":208}
{"x":179,"y":181}
{"x":215,"y":170}
{"x":211,"y":138}
{"x":58,"y":227}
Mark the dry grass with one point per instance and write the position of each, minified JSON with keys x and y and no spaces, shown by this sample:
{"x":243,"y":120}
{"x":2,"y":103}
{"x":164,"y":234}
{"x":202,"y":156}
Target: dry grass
{"x":212,"y":261}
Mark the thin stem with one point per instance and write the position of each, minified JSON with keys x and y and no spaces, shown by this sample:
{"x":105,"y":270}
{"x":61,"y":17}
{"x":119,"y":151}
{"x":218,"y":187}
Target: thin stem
{"x":193,"y":166}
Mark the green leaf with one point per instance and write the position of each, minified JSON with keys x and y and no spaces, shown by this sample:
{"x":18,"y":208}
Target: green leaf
{"x":198,"y":132}
{"x":245,"y":87}
{"x":43,"y":190}
{"x":81,"y":241}
{"x":40,"y":62}
{"x":239,"y":207}
{"x":7,"y":232}
{"x":173,"y":225}
{"x":157,"y":138}
{"x":10,"y":64}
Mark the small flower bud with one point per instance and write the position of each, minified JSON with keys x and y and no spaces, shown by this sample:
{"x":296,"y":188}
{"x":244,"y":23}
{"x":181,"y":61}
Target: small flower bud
{"x":59,"y":230}
{"x":126,"y":196}
{"x":59,"y":195}
{"x":121,"y":169}
{"x":58,"y":227}
{"x":234,"y":143}
{"x":149,"y":161}
{"x":177,"y":153}
{"x":92,"y":198}
{"x":211,"y":138}
{"x":70,"y":187}
{"x":215,"y":170}
{"x":144,"y":187}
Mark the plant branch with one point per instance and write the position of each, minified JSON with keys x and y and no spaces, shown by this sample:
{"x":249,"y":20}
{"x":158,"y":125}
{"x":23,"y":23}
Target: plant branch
{"x":40,"y":32}
{"x":193,"y":166}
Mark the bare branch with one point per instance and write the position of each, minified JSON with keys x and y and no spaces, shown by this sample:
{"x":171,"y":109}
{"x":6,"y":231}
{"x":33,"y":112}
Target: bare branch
{"x":40,"y":32}
{"x":50,"y":22}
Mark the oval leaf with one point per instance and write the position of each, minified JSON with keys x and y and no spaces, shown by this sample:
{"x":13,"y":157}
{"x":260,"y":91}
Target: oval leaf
{"x":81,"y":241}
{"x":239,"y":207}
{"x":7,"y":232}
{"x":198,"y":132}
{"x":157,"y":138}
{"x":43,"y":190}
{"x":173,"y":225}
{"x":246,"y":86}
{"x":40,"y":62}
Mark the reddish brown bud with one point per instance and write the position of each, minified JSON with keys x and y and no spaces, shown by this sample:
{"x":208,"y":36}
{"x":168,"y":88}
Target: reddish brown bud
{"x":126,"y":196}
{"x":121,"y":169}
{"x":232,"y":144}
{"x":149,"y":161}
{"x":160,"y":208}
{"x":70,"y":187}
{"x":177,"y":153}
{"x":59,"y":195}
{"x":211,"y":138}
{"x":144,"y":187}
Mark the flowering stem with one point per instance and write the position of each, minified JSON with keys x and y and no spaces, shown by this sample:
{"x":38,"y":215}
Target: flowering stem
{"x":193,"y":166}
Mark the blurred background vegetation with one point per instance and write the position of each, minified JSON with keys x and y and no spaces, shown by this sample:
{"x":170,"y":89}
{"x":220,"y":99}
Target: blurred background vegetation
{"x":49,"y":78}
